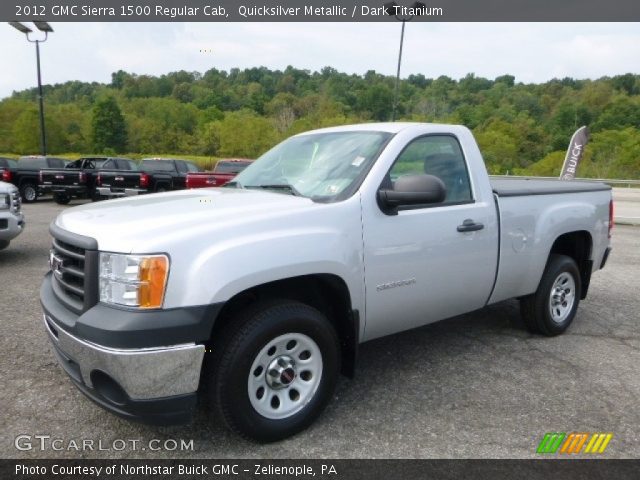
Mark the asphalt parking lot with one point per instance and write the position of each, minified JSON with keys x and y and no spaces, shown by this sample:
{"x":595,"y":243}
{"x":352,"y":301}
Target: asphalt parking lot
{"x":475,"y":386}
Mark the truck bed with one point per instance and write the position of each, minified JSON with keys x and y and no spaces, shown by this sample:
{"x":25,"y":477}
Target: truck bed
{"x":529,"y":226}
{"x":517,"y":187}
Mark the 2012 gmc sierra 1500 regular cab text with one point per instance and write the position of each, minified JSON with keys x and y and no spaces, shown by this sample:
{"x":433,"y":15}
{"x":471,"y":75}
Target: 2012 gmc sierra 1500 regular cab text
{"x":332,"y":238}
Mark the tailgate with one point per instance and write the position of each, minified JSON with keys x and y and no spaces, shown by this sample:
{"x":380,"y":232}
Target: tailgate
{"x":60,"y":177}
{"x":208,"y":179}
{"x":120,"y":180}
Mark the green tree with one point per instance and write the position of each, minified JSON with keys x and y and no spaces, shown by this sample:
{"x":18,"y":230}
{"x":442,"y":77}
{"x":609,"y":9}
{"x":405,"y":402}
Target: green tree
{"x":108,"y":128}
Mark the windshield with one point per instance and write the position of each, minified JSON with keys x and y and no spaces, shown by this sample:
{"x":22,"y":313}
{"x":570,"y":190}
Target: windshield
{"x":314,"y":165}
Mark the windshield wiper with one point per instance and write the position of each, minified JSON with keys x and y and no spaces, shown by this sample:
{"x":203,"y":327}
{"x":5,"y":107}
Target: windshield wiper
{"x":278,"y":186}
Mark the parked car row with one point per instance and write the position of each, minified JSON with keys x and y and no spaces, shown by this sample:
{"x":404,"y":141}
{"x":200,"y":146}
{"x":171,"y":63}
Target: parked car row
{"x":102,"y":177}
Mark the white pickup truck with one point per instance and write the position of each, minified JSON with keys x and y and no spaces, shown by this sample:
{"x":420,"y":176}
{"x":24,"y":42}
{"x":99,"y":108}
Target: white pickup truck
{"x":258,"y":294}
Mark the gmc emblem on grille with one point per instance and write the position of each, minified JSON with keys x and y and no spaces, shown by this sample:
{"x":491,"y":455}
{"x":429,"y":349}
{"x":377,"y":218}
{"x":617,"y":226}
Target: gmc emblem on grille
{"x":56,"y":264}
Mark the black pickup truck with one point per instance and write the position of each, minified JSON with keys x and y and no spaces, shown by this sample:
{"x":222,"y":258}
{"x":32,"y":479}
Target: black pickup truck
{"x":78,"y":178}
{"x":120,"y":177}
{"x":167,"y":173}
{"x":25,"y":174}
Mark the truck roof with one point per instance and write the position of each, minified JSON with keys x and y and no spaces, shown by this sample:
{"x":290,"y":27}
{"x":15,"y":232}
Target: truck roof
{"x":389,"y":127}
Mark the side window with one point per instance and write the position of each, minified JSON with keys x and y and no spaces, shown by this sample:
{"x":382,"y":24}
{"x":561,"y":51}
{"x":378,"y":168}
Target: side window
{"x":181,"y":166}
{"x":438,"y":155}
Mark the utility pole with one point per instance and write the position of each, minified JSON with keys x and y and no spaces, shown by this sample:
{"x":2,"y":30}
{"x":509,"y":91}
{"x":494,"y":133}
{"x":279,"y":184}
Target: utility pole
{"x":391,"y":11}
{"x":46,"y":28}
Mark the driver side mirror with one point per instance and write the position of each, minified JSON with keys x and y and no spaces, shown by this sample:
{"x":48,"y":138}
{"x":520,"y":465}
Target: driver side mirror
{"x":410,"y":190}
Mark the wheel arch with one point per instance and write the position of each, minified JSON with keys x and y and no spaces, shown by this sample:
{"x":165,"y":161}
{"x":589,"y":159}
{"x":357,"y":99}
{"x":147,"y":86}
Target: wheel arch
{"x":579,"y":246}
{"x":328,"y":293}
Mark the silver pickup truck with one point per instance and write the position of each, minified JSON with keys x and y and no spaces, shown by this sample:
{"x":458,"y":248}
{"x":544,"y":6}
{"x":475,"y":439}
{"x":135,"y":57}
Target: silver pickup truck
{"x":11,"y":216}
{"x":259,"y":293}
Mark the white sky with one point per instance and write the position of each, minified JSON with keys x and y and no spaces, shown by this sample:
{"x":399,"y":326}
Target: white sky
{"x":533,"y":52}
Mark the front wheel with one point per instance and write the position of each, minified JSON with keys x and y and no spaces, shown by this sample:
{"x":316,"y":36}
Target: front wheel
{"x":552,"y":308}
{"x":4,"y":244}
{"x":274,"y":370}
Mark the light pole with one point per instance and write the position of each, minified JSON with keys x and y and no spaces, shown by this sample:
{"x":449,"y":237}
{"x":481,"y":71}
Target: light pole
{"x":392,"y":9}
{"x":46,"y":28}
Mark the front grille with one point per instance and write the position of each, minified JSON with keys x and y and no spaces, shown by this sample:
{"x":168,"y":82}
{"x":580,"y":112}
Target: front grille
{"x":74,"y":269}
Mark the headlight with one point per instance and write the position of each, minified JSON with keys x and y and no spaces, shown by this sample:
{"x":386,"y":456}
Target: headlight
{"x":133,"y":280}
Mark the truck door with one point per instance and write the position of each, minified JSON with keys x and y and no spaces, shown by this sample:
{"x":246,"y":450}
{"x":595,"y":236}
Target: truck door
{"x":434,"y":261}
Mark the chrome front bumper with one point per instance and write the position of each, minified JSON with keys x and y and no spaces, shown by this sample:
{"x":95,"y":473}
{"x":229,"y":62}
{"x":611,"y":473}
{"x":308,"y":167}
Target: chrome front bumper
{"x":143,"y":374}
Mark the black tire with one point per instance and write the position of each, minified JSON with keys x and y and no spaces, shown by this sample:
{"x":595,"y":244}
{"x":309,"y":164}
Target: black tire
{"x":29,"y":192}
{"x":536,"y":308}
{"x":4,"y":244}
{"x":61,"y":198}
{"x":239,"y":346}
{"x":161,"y":188}
{"x":96,"y":197}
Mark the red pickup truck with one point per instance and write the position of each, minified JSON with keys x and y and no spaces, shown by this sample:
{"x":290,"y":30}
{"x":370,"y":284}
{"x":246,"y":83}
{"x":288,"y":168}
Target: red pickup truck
{"x":224,"y":171}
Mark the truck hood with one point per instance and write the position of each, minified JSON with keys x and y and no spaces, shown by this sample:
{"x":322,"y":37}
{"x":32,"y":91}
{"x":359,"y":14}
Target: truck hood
{"x":149,"y":223}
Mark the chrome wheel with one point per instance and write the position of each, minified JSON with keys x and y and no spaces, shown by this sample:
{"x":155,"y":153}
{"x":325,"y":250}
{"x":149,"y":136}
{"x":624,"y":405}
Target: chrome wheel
{"x":29,"y":193}
{"x":285,"y":375}
{"x":562,"y":297}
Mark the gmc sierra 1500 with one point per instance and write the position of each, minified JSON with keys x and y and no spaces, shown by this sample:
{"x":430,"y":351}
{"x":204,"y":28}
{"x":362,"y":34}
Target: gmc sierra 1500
{"x":332,"y":238}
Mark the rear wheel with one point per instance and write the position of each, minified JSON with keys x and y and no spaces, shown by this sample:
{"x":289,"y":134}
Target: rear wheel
{"x":274,"y":370}
{"x":29,"y":192}
{"x":61,"y":198}
{"x":553,"y":307}
{"x":4,"y":244}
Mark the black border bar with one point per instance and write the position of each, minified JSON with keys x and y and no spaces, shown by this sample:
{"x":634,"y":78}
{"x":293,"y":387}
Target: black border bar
{"x":584,"y":469}
{"x":319,"y":11}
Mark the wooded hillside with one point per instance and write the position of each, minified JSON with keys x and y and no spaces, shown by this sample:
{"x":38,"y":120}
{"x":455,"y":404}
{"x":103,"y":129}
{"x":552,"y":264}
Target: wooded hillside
{"x":521,"y":128}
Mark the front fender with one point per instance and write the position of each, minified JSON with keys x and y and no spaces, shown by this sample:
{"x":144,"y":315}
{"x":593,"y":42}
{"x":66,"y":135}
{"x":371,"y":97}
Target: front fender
{"x":323,"y":240}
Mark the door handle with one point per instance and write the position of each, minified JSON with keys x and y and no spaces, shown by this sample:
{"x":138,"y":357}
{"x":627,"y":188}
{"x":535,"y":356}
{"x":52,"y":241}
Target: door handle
{"x":470,"y":226}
